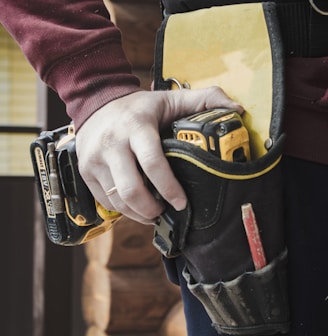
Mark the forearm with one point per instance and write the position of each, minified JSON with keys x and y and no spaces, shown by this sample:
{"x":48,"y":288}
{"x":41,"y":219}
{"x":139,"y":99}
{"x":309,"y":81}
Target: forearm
{"x":75,"y":49}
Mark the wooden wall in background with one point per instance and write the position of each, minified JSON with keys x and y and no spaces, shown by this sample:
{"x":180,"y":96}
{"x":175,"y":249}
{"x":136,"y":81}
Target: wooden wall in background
{"x":138,"y":22}
{"x":125,"y":289}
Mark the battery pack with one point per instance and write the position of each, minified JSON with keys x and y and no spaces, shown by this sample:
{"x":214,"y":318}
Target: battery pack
{"x":71,"y":215}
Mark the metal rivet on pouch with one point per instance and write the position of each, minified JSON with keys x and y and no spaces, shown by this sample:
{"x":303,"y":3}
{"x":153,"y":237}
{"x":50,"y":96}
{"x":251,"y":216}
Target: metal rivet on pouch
{"x":268,"y":143}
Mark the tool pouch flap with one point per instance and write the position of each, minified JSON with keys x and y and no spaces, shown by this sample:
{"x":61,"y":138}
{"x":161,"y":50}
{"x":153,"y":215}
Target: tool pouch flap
{"x":236,"y":47}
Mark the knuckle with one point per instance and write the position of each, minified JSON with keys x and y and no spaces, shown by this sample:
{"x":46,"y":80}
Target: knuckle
{"x":150,"y":164}
{"x":108,"y":140}
{"x":150,"y":160}
{"x":131,"y":195}
{"x":128,"y":193}
{"x":215,"y":90}
{"x":168,"y":193}
{"x":149,"y":215}
{"x":83,"y":168}
{"x":121,"y":207}
{"x":84,"y":163}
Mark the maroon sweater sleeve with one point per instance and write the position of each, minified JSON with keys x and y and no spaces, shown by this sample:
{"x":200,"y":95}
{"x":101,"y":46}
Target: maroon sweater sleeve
{"x":75,"y":49}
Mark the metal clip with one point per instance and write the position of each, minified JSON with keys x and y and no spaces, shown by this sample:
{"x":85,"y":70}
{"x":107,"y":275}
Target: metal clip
{"x":185,"y":85}
{"x":317,"y":9}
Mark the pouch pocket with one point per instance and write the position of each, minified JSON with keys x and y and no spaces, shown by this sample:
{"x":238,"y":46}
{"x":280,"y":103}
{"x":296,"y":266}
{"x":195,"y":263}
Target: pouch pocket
{"x":216,"y":245}
{"x":219,"y":259}
{"x":255,"y":303}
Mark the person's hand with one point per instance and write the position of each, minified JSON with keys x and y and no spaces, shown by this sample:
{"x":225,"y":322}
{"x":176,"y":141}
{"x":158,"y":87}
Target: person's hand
{"x":123,"y":136}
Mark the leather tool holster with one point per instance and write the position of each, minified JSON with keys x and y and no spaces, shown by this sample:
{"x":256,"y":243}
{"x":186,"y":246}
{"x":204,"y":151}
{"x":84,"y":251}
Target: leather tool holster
{"x":238,"y":48}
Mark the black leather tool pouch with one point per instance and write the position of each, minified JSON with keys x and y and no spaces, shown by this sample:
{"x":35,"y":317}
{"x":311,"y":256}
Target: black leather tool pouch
{"x":220,"y":268}
{"x":237,"y":270}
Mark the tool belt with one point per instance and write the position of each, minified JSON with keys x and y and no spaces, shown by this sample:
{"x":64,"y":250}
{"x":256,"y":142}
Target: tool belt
{"x":237,"y":48}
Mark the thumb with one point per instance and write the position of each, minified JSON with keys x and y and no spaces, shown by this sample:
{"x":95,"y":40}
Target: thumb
{"x":186,"y":102}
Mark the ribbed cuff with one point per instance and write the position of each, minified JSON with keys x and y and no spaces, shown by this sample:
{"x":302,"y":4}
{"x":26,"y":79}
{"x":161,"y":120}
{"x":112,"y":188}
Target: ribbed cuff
{"x":92,"y":78}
